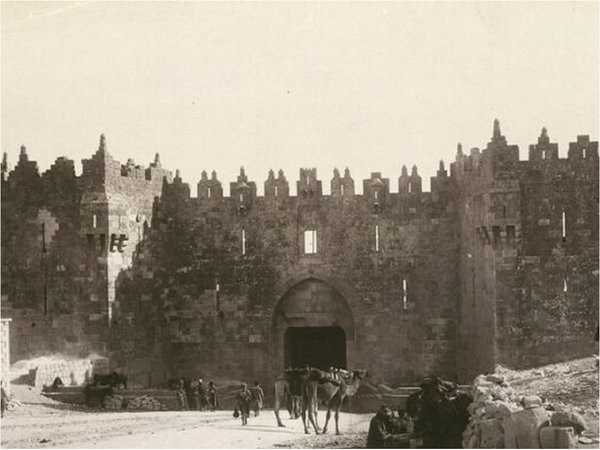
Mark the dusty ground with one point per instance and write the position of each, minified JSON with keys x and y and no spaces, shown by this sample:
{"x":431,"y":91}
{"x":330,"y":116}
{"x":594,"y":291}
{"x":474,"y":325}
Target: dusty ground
{"x":41,"y":422}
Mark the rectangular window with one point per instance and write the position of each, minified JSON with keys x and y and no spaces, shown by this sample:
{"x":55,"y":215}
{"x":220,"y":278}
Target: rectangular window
{"x":404,"y":294}
{"x":376,"y":194}
{"x":376,"y":238}
{"x":310,"y":242}
{"x":243,"y":241}
{"x":208,"y":192}
{"x":241,"y":197}
{"x":94,"y":221}
{"x":341,"y":189}
{"x":276,"y":191}
{"x":409,"y":187}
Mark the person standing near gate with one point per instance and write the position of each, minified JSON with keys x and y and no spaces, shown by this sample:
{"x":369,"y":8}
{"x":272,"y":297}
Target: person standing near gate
{"x":213,"y":402}
{"x":181,"y":396}
{"x":202,"y":400}
{"x":244,"y":398}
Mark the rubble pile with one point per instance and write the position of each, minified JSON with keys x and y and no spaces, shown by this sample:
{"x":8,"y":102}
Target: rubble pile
{"x":501,"y":418}
{"x":493,"y":401}
{"x":145,"y":402}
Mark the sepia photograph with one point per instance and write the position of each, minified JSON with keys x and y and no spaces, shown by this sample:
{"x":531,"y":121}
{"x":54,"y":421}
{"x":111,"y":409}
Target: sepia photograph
{"x":299,"y":224}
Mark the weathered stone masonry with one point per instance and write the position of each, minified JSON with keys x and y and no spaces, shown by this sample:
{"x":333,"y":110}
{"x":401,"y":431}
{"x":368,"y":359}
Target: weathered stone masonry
{"x":497,"y":264}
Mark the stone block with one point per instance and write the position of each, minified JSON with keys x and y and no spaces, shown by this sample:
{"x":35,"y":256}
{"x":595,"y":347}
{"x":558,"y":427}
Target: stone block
{"x":491,"y":434}
{"x":531,"y":401}
{"x":558,"y":437}
{"x":567,"y":419}
{"x":527,"y":424}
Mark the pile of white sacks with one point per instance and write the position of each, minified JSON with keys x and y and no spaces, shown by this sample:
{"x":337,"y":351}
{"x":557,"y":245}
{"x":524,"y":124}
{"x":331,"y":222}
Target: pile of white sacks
{"x":502,"y":419}
{"x":145,"y":402}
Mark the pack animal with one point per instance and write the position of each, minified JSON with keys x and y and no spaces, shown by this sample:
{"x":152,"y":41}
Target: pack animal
{"x":329,"y":388}
{"x":288,"y":390}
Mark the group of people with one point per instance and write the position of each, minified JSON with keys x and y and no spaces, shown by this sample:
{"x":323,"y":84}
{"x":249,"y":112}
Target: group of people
{"x":193,"y":395}
{"x":248,"y":399}
{"x":388,"y":430}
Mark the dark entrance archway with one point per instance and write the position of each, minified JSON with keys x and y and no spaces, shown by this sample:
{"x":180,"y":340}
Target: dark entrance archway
{"x":312,"y":324}
{"x":320,"y":347}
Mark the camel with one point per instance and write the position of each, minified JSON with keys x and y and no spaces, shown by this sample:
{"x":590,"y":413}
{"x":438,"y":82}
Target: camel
{"x":331,"y":388}
{"x":288,"y":389}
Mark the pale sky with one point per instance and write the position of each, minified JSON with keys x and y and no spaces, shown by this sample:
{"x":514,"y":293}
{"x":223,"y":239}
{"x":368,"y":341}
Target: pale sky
{"x":371,"y":86}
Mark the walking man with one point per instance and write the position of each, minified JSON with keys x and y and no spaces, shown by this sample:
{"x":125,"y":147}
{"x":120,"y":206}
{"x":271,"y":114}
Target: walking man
{"x":244,"y":398}
{"x":258,"y":397}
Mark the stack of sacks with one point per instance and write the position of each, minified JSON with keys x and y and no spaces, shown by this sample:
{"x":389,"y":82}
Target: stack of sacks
{"x":145,"y":402}
{"x":493,"y":402}
{"x":113,"y":402}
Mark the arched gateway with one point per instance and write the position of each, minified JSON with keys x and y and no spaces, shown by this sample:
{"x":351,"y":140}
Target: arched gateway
{"x":312,"y":325}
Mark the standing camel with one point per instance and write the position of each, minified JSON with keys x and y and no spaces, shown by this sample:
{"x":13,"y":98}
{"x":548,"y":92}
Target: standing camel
{"x":288,"y":390}
{"x":330,"y":388}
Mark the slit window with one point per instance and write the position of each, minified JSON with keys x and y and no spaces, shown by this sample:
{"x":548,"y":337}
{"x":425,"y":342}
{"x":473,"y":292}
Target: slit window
{"x":341,"y":189}
{"x":90,"y":241}
{"x":276,"y":189}
{"x":376,"y":194}
{"x":310,"y":242}
{"x":376,"y":238}
{"x":241,"y":197}
{"x":584,"y":155}
{"x":510,"y":234}
{"x":564,"y":225}
{"x":94,"y":221}
{"x":404,"y":294}
{"x":409,"y":187}
{"x":208,"y":192}
{"x":496,"y":235}
{"x":243,"y":241}
{"x":565,"y":285}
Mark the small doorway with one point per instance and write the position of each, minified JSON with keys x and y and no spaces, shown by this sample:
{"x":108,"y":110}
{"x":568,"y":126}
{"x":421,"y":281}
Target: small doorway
{"x":320,"y":347}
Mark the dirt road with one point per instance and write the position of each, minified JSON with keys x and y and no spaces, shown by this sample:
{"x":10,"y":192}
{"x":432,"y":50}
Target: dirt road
{"x":52,"y":426}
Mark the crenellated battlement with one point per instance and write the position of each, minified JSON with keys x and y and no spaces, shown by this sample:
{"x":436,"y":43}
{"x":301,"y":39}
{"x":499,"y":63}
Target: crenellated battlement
{"x":497,"y":161}
{"x":501,"y":161}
